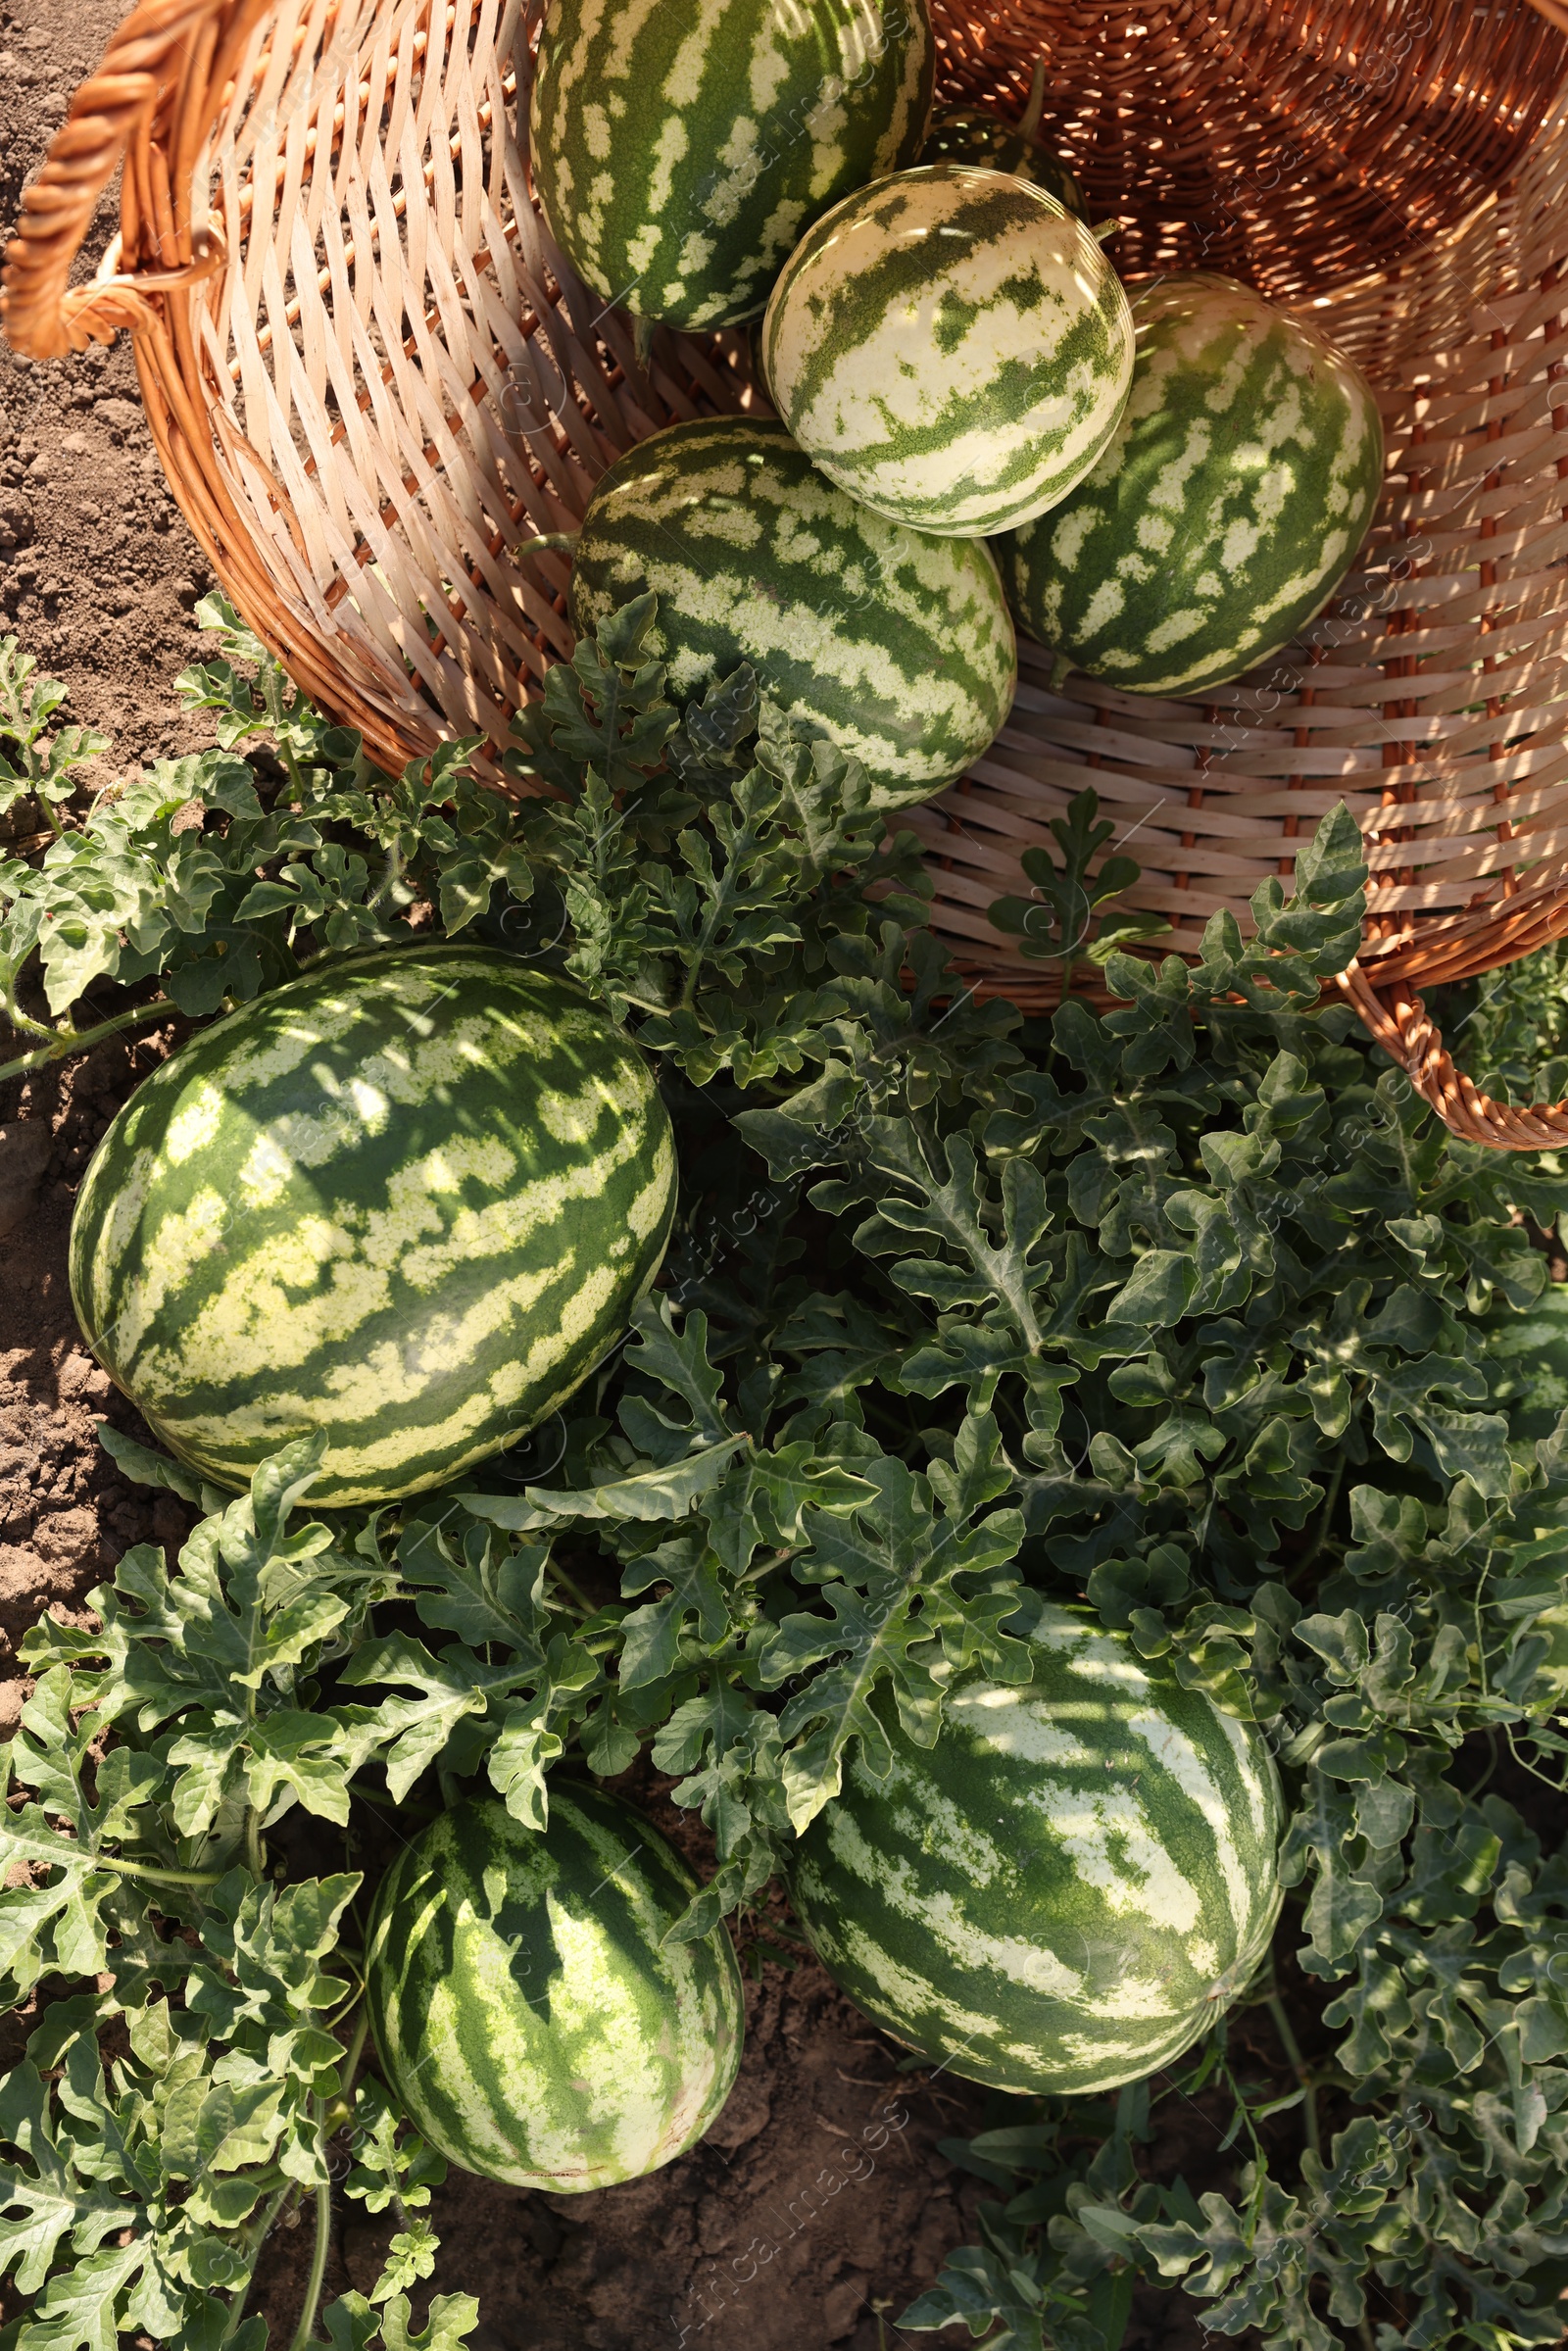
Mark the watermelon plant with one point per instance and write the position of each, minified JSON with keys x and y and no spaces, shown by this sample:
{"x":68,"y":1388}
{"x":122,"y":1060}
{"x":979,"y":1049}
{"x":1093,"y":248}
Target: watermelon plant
{"x":1175,"y":1317}
{"x":1226,"y":508}
{"x":678,"y":157}
{"x":893,"y":645}
{"x":952,"y":347}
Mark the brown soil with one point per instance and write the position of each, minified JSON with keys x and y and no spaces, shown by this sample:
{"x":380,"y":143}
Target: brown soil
{"x":818,"y":2206}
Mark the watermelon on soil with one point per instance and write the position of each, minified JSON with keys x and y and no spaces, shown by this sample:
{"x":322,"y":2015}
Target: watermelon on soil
{"x":896,"y":646}
{"x":950,"y":346}
{"x":409,"y":1200}
{"x":1066,"y":1890}
{"x":527,"y":2014}
{"x":1227,"y":509}
{"x":680,"y":153}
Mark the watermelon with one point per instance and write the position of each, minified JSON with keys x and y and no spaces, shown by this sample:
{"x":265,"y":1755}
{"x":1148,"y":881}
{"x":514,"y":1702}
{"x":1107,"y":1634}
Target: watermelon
{"x":950,"y":346}
{"x":679,"y":153}
{"x":409,"y":1200}
{"x":1069,"y":1887}
{"x":1227,"y":509}
{"x":975,"y":134}
{"x":527,"y":2014}
{"x":896,"y":646}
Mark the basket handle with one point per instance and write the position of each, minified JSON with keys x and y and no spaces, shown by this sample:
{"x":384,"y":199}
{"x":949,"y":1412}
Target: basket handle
{"x":43,"y":314}
{"x":1400,"y":1023}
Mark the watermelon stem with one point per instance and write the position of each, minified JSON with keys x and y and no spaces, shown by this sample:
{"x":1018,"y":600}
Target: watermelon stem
{"x":157,"y":1876}
{"x":351,"y":2065}
{"x":1029,"y":121}
{"x":548,"y":542}
{"x":1299,"y":2067}
{"x":253,"y":2238}
{"x":323,"y":2237}
{"x":558,"y":1575}
{"x":22,"y":1023}
{"x":255,"y":1853}
{"x":66,"y":1041}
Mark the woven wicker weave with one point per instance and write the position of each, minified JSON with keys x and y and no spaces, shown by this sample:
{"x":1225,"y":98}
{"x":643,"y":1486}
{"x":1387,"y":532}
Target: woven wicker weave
{"x":371,"y":377}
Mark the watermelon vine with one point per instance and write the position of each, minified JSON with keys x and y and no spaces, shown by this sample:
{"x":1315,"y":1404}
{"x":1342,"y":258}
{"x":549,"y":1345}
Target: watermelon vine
{"x":1181,"y":1312}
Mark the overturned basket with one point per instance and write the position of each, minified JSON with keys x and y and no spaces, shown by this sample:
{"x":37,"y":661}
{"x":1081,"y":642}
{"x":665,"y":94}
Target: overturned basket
{"x":370,"y":375}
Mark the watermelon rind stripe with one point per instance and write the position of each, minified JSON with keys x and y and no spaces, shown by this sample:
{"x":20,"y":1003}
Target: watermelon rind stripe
{"x":680,"y":150}
{"x":1069,"y":1887}
{"x":410,"y":1202}
{"x":1233,"y":498}
{"x":528,"y":2012}
{"x":894,"y":645}
{"x":950,"y":346}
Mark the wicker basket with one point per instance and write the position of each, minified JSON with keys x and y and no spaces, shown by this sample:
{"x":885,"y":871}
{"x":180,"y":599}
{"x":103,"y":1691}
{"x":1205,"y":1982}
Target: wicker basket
{"x":370,"y":376}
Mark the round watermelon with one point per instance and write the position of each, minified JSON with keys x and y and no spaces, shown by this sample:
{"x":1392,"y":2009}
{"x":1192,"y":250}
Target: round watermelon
{"x":896,"y":646}
{"x":409,"y":1200}
{"x":1226,"y":511}
{"x":679,"y":153}
{"x":528,"y":2015}
{"x":1069,"y":1887}
{"x":950,"y":346}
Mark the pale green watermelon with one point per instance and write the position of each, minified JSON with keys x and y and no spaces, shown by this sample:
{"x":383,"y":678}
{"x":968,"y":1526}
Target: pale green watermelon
{"x":952,"y":347}
{"x":1069,"y":1887}
{"x":680,"y":150}
{"x":1227,"y":509}
{"x":530,"y":2014}
{"x":892,"y":644}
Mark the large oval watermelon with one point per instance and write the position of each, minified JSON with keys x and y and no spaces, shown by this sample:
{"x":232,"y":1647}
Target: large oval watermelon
{"x":952,"y":347}
{"x":1227,"y":509}
{"x":896,"y":646}
{"x":409,"y":1200}
{"x":1067,"y":1888}
{"x":528,"y":2015}
{"x":680,"y":153}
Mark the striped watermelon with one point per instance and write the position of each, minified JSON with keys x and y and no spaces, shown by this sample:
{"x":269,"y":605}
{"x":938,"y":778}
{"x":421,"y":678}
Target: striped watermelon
{"x":893,"y":645}
{"x":1227,"y":509}
{"x":952,"y":347}
{"x":678,"y":152}
{"x":528,"y":2015}
{"x":1069,"y":1887}
{"x":409,"y":1200}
